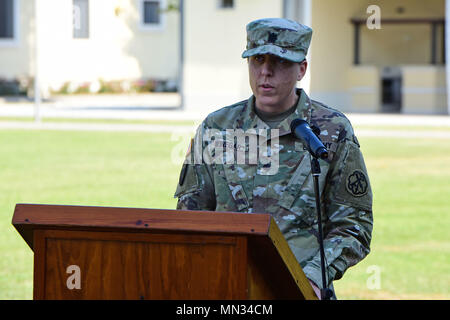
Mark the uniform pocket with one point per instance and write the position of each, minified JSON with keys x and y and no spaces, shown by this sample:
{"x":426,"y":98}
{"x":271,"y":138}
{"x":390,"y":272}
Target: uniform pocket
{"x":299,"y":197}
{"x":296,"y":183}
{"x":236,"y":176}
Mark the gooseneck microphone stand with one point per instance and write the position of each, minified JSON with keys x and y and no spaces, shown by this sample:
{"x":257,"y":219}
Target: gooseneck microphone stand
{"x":325,"y":293}
{"x":309,"y":135}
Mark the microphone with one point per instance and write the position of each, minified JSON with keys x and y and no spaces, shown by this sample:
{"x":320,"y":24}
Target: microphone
{"x":309,"y":137}
{"x":301,"y":129}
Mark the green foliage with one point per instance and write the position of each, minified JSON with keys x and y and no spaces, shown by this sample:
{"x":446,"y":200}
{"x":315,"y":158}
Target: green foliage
{"x":14,"y":87}
{"x":115,"y":87}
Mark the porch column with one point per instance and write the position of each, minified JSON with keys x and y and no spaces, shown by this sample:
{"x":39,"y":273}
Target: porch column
{"x":37,"y":87}
{"x":447,"y":51}
{"x":301,"y":11}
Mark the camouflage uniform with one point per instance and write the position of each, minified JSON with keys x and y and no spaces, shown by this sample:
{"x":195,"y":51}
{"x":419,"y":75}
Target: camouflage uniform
{"x":287,"y":191}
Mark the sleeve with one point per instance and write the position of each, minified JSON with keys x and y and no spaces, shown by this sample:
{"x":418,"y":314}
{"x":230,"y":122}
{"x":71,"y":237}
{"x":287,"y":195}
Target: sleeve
{"x":195,"y":189}
{"x":347,"y":212}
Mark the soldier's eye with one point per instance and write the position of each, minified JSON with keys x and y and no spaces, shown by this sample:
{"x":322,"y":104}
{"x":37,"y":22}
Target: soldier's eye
{"x":259,"y":58}
{"x":284,"y":63}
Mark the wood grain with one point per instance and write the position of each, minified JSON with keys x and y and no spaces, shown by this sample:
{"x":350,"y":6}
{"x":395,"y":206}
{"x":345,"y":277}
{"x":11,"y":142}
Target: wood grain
{"x":39,"y":264}
{"x":145,"y":266}
{"x":28,"y":216}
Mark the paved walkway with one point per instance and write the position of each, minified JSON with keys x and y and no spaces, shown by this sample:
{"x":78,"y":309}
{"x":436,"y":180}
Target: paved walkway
{"x":79,"y":126}
{"x":164,"y":106}
{"x":183,"y":129}
{"x":153,"y":106}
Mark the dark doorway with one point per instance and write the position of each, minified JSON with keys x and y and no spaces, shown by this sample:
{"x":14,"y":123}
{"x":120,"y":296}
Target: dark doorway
{"x":391,"y":90}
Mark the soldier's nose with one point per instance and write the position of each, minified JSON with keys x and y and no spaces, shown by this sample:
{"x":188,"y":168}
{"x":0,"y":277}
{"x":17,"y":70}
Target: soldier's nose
{"x":266,"y":69}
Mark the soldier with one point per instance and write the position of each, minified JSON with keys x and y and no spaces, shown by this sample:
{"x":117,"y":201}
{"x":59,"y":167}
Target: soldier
{"x":277,"y":179}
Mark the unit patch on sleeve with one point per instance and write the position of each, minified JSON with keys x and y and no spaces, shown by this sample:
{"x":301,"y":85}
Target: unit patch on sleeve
{"x":357,"y":183}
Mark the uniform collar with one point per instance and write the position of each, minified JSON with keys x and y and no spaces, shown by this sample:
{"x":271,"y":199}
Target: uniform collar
{"x":250,"y":119}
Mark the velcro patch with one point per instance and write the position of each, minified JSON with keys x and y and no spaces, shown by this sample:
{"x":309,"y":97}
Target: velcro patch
{"x":188,"y":152}
{"x":357,"y":184}
{"x":352,"y":184}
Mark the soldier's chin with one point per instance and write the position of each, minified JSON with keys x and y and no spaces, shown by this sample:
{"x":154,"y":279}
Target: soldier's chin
{"x":268,"y":102}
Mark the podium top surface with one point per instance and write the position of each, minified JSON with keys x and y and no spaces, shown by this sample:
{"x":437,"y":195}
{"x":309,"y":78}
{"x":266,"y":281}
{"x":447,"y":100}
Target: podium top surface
{"x":28,"y":217}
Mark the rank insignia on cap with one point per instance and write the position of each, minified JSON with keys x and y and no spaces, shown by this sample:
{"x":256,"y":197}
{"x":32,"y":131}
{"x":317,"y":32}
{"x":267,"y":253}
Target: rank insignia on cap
{"x":272,"y":37}
{"x":357,"y":184}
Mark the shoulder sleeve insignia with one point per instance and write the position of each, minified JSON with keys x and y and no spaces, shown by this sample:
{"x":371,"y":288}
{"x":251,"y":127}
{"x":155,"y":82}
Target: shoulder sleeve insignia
{"x":357,"y":184}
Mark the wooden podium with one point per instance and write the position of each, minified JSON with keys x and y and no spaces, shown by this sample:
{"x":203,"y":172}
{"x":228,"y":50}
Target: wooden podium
{"x":127,"y":253}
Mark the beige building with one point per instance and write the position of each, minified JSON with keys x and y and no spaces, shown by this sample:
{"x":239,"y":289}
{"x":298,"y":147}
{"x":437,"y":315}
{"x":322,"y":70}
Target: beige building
{"x":365,"y":56}
{"x":399,"y":67}
{"x":356,"y":63}
{"x":89,"y":40}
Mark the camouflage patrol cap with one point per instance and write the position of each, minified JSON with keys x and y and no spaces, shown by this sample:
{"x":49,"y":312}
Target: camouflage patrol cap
{"x":281,"y":37}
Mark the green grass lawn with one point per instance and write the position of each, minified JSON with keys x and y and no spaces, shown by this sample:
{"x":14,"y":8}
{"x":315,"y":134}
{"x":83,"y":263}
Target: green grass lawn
{"x":105,"y":121}
{"x":410,"y":245}
{"x":410,"y":180}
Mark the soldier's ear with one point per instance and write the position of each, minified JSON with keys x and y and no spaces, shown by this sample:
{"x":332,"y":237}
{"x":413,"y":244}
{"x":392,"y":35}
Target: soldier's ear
{"x":303,"y":66}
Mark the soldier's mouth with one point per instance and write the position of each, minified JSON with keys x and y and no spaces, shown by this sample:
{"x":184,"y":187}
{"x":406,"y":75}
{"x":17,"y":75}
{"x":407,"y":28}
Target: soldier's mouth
{"x":266,"y":87}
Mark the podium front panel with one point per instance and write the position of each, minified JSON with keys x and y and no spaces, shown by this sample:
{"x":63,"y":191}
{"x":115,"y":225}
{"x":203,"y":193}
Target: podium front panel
{"x":112,"y":265}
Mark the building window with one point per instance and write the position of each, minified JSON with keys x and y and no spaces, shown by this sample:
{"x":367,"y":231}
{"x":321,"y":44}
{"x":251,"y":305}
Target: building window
{"x":80,"y":19}
{"x":9,"y":21}
{"x":226,"y":4}
{"x":152,"y":14}
{"x":6,"y":19}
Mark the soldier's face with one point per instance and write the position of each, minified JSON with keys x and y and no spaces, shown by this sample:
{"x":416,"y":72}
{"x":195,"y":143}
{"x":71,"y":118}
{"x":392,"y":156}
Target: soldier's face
{"x":273,"y":81}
